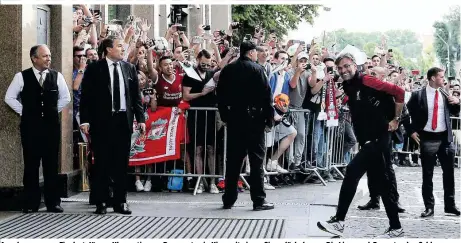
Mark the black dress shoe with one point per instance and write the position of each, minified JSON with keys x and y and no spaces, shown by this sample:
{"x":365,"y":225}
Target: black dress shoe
{"x":30,"y":210}
{"x":55,"y":209}
{"x":227,"y":206}
{"x":400,"y":209}
{"x":122,"y":208}
{"x":264,"y":206}
{"x":427,"y":213}
{"x":101,"y":209}
{"x":453,"y":210}
{"x":371,"y":205}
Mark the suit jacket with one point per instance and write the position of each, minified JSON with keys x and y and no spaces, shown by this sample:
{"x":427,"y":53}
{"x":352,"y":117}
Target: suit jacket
{"x":417,"y":106}
{"x":96,"y":97}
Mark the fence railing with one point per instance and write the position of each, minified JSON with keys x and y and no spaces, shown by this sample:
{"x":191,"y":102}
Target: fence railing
{"x":314,"y":151}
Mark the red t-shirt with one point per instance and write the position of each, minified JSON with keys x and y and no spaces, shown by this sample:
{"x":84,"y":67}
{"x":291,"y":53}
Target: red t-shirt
{"x":169,"y":94}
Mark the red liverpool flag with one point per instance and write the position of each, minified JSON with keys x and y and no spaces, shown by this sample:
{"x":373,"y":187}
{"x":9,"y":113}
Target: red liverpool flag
{"x":165,"y":131}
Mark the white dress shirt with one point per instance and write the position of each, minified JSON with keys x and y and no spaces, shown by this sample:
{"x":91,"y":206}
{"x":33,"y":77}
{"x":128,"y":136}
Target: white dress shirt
{"x":441,"y":126}
{"x":122,"y":84}
{"x":16,"y":86}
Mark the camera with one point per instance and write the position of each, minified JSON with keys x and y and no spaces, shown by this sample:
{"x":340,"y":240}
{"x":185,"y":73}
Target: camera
{"x":330,"y":70}
{"x":308,"y":66}
{"x":247,"y":37}
{"x":181,"y":28}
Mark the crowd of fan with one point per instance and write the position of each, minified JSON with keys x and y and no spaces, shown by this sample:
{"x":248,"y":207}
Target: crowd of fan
{"x":296,"y":69}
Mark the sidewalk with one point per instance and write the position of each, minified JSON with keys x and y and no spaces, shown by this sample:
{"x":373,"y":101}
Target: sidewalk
{"x":297,"y":210}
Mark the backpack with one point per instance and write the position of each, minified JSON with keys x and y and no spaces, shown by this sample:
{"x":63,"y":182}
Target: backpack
{"x":175,"y":183}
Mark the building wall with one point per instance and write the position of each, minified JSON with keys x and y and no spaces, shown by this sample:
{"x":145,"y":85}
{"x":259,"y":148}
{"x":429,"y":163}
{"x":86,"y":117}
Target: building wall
{"x":19,"y":34}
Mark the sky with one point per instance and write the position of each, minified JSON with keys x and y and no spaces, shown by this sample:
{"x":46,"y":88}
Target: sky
{"x":368,"y":16}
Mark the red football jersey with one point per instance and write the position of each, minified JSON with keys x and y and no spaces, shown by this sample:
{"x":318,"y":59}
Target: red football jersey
{"x":169,"y":93}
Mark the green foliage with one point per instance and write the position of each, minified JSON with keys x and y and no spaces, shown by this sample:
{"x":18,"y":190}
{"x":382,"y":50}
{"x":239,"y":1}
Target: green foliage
{"x":280,"y":18}
{"x":448,"y":30}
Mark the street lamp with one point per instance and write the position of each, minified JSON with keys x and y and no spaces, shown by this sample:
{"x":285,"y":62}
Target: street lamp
{"x":448,"y":51}
{"x":328,"y":9}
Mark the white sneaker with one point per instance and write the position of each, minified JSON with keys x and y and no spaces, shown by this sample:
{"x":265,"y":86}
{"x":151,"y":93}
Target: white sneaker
{"x":279,"y":169}
{"x":268,"y":186}
{"x":200,"y":188}
{"x":332,"y":226}
{"x":213,"y":189}
{"x":392,"y":233}
{"x":139,"y":186}
{"x":269,"y":166}
{"x":148,"y":186}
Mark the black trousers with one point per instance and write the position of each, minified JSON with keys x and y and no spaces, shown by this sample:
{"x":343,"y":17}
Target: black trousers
{"x":373,"y":182}
{"x":372,"y":158}
{"x":111,"y":150}
{"x":40,"y":142}
{"x":433,"y":146}
{"x":245,"y":138}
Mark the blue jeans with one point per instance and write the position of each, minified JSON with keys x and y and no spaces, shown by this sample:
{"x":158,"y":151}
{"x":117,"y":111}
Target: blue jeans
{"x":319,"y":142}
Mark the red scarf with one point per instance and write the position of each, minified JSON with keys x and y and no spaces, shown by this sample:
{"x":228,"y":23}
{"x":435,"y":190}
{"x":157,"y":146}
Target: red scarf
{"x":331,"y":108}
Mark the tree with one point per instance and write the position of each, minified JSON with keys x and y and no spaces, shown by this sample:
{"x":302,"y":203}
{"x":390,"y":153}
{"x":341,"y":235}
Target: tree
{"x":427,"y":60}
{"x":447,"y":31}
{"x":369,"y":48}
{"x":280,"y":18}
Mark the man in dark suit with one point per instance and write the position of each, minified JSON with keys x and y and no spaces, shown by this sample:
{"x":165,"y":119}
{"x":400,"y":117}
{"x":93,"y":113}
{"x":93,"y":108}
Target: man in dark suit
{"x":431,"y":128}
{"x":110,"y":99}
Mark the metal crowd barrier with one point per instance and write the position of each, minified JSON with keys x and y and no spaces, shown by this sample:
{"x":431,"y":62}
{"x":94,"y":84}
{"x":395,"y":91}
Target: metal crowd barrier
{"x":411,"y":149}
{"x":214,"y":166}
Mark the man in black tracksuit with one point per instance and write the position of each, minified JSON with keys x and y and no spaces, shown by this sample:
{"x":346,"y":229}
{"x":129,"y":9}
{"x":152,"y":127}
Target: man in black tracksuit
{"x":373,"y":185}
{"x":375,"y":108}
{"x":245,"y":105}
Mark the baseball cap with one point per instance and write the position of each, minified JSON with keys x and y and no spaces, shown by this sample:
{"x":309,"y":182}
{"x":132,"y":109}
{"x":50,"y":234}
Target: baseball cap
{"x":303,"y":55}
{"x":246,"y":46}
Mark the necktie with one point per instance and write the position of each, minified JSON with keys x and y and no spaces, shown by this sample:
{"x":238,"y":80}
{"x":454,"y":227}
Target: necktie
{"x":436,"y":110}
{"x":116,"y":92}
{"x":40,"y":81}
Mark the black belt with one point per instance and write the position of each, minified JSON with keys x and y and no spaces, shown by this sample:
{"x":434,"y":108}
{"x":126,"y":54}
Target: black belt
{"x":434,"y":135}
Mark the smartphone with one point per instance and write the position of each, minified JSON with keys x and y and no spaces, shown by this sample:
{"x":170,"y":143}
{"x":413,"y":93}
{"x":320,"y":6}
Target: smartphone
{"x":329,"y":69}
{"x":97,"y":12}
{"x":181,"y":28}
{"x":369,"y":67}
{"x":148,"y":91}
{"x":308,"y":66}
{"x":197,"y":40}
{"x":296,"y":42}
{"x":206,"y":27}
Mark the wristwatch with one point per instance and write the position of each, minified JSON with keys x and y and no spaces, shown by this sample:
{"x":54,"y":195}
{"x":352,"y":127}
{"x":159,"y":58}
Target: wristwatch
{"x":81,"y":71}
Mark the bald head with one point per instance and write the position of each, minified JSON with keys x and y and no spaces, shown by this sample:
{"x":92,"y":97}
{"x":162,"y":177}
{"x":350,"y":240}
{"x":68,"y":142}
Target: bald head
{"x":379,"y":72}
{"x":40,"y":56}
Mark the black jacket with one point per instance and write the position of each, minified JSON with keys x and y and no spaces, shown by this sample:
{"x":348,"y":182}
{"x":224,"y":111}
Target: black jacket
{"x":243,"y":86}
{"x":372,"y":105}
{"x":96,"y":97}
{"x":417,"y":106}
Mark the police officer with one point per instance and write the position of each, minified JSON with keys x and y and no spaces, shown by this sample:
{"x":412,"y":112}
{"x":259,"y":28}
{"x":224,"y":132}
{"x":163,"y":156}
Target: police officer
{"x":38,"y":94}
{"x":245,"y":105}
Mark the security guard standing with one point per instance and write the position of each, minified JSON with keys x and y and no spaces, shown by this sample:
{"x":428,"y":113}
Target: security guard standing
{"x":38,"y":94}
{"x":245,"y":105}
